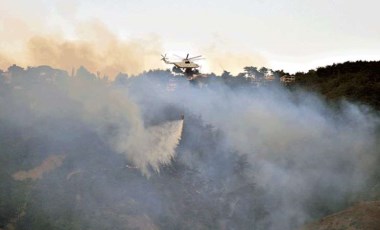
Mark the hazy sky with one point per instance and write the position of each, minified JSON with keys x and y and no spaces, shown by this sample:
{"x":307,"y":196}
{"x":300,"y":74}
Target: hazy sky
{"x":294,"y":35}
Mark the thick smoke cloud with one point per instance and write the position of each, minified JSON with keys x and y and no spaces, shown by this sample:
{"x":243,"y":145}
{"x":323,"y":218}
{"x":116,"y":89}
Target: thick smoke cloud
{"x":95,"y":47}
{"x":119,"y":123}
{"x":261,"y":158}
{"x":301,"y":150}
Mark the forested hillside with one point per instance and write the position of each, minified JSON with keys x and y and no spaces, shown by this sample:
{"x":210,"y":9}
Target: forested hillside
{"x":355,"y":81}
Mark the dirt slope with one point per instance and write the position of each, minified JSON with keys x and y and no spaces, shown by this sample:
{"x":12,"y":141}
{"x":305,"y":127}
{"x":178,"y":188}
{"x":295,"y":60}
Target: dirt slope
{"x":364,"y":215}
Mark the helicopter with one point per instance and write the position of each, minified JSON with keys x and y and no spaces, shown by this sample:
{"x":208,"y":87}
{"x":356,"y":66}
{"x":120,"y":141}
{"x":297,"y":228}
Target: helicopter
{"x":187,"y":66}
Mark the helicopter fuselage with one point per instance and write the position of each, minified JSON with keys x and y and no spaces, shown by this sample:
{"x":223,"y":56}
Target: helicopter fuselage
{"x":186,"y":66}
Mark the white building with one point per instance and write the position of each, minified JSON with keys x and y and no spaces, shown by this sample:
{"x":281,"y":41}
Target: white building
{"x":288,"y":79}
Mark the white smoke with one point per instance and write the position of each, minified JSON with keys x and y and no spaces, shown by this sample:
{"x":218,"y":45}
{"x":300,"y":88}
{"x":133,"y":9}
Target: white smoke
{"x":108,"y":111}
{"x":300,"y":148}
{"x":300,"y":153}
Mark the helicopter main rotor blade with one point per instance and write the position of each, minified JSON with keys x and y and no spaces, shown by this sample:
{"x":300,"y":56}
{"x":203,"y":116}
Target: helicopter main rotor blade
{"x":194,"y":57}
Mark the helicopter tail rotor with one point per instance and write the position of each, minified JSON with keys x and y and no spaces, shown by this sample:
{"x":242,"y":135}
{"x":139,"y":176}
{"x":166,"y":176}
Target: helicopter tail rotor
{"x":164,"y":58}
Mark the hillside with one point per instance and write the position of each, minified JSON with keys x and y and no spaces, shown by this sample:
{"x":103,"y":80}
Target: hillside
{"x":355,"y":81}
{"x":363,"y":216}
{"x":77,"y":152}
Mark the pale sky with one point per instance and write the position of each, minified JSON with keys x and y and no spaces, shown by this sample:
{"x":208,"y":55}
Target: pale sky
{"x":294,"y":35}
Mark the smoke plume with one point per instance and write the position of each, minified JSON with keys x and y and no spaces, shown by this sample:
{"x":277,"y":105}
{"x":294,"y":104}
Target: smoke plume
{"x":95,"y":47}
{"x":246,"y":157}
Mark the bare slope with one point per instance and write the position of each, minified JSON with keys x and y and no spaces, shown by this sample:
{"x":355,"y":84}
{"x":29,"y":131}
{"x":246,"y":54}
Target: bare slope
{"x":364,"y":215}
